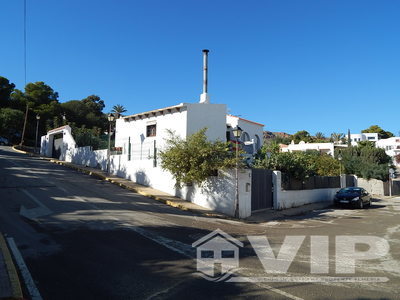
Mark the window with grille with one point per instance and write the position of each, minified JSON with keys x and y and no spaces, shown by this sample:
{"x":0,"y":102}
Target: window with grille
{"x":151,"y":130}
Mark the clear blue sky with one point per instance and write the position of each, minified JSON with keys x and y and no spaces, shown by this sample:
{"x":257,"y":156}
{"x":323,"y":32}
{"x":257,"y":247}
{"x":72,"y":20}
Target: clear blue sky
{"x":291,"y":65}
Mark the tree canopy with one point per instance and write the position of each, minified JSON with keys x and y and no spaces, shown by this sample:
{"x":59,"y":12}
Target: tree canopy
{"x":302,"y":135}
{"x":299,"y":165}
{"x":85,"y":114}
{"x":376,"y":129}
{"x":6,"y":88}
{"x":11,"y":121}
{"x":366,"y":161}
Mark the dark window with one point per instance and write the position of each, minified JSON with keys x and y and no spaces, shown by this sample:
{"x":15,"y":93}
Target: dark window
{"x":227,"y":254}
{"x":228,"y":136}
{"x":151,"y":130}
{"x":207,"y":254}
{"x":129,"y":148}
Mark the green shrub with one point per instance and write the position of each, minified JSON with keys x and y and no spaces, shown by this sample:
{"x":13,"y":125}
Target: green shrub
{"x":194,"y":159}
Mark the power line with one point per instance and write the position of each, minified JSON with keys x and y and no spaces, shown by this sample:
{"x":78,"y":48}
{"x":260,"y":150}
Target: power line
{"x":27,"y":106}
{"x":25,"y":40}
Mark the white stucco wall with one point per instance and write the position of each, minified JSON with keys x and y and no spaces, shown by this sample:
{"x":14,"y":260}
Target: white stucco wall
{"x":287,"y":199}
{"x":328,"y":148}
{"x":86,"y":157}
{"x":218,"y":193}
{"x":190,"y":118}
{"x":46,"y":141}
{"x":211,"y":116}
{"x":142,"y":147}
{"x":360,"y":137}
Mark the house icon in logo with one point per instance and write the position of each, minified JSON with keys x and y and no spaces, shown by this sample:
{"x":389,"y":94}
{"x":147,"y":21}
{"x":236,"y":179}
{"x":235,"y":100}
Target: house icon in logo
{"x":217,"y":249}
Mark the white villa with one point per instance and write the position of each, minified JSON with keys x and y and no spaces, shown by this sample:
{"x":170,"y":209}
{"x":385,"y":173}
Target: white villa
{"x":327,"y":148}
{"x":360,"y":137}
{"x":142,"y":135}
{"x":391,"y":146}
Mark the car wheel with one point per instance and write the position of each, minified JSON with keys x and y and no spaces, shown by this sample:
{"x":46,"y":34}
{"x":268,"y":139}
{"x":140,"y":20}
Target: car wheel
{"x":360,"y":204}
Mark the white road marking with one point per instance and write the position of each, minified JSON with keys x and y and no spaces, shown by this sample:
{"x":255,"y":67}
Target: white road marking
{"x":160,"y":293}
{"x":29,"y":283}
{"x":36,"y":212}
{"x":33,"y":198}
{"x":266,"y":286}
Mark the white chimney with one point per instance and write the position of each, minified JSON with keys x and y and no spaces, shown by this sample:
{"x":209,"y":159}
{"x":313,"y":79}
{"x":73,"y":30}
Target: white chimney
{"x":204,"y":98}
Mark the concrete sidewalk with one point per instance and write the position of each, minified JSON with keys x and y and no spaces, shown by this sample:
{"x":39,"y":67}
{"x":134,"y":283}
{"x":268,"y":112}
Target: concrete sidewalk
{"x":10,"y":287}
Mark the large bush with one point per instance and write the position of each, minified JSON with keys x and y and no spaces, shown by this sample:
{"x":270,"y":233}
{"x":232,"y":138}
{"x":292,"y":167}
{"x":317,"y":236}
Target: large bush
{"x":194,"y":159}
{"x":299,"y":165}
{"x":366,"y":161}
{"x":90,"y":137}
{"x":11,"y":121}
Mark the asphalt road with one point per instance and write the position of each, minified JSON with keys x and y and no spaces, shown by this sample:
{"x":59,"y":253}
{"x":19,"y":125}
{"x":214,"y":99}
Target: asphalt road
{"x":84,"y":238}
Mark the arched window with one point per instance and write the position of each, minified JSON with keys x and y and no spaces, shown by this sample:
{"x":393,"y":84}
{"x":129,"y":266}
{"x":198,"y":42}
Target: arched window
{"x":245,"y":137}
{"x":258,"y":142}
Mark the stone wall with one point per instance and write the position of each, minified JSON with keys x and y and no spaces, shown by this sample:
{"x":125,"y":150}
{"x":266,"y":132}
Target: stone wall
{"x":374,"y":186}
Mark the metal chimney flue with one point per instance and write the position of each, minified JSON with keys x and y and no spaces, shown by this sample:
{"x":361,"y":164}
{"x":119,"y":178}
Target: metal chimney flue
{"x":204,"y":98}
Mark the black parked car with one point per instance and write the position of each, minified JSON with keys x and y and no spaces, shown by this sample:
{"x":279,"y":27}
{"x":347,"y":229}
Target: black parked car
{"x":353,"y":196}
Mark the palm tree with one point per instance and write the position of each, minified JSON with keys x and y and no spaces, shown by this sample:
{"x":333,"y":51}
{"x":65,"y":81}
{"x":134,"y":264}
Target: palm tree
{"x":337,"y":137}
{"x":119,"y":109}
{"x":319,"y":136}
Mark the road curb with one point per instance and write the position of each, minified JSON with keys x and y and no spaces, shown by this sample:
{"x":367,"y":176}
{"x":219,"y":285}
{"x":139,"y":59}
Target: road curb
{"x":11,"y":270}
{"x":19,"y":151}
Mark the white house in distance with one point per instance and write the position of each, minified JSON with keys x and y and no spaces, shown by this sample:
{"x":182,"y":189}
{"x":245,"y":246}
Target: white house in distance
{"x":360,"y":137}
{"x":56,"y":142}
{"x":328,"y":148}
{"x":391,"y":146}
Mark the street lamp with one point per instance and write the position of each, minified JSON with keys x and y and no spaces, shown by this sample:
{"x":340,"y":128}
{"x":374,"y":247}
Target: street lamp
{"x":391,"y":172}
{"x":237,"y":132}
{"x":37,"y":130}
{"x":340,"y":162}
{"x":111,"y":119}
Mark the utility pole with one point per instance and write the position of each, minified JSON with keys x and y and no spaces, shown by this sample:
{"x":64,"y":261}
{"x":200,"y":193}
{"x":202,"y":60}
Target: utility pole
{"x":348,"y":138}
{"x":27,"y":105}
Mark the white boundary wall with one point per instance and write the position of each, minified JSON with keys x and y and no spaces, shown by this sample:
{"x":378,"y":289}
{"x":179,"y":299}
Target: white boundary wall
{"x":218,"y":193}
{"x":287,"y":199}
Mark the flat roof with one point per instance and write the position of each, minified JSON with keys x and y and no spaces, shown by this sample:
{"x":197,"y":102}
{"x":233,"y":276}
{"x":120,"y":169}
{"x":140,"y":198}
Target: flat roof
{"x":58,"y":128}
{"x":154,"y":111}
